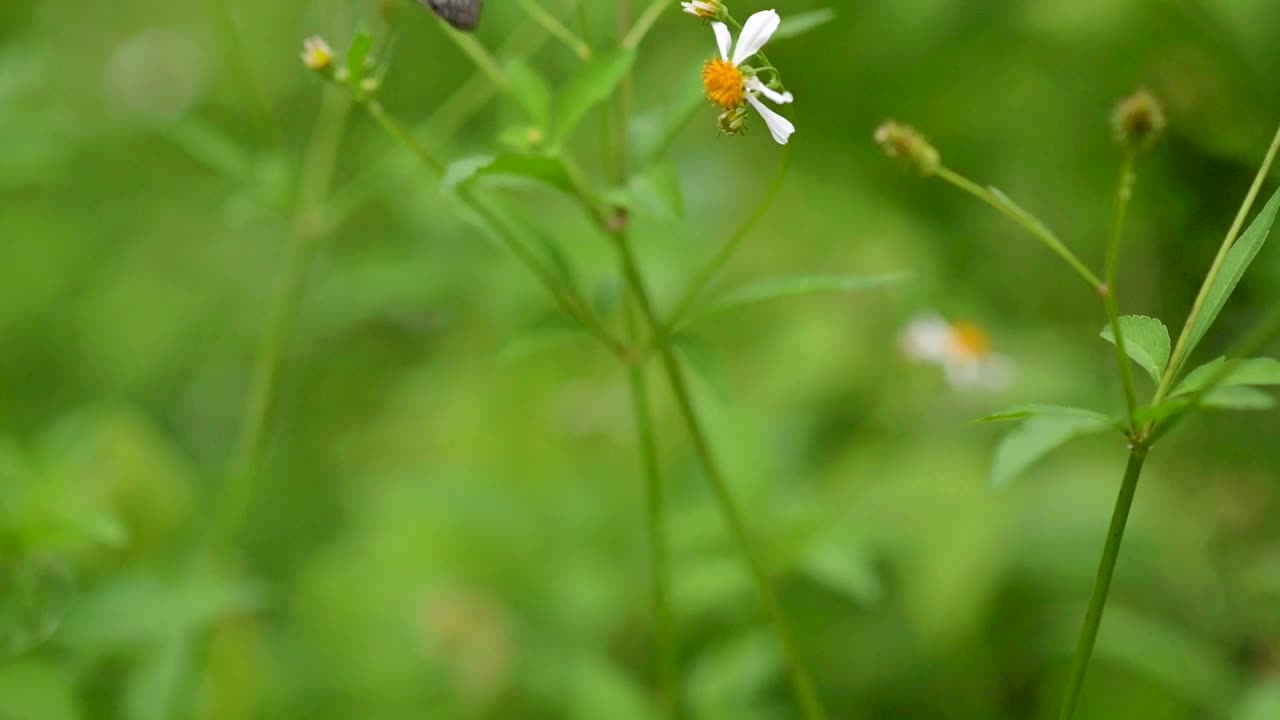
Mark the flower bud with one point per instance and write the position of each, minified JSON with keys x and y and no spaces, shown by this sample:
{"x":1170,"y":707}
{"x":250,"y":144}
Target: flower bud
{"x":316,"y":54}
{"x":705,"y":9}
{"x":733,"y":121}
{"x":905,"y":143}
{"x":1138,"y":120}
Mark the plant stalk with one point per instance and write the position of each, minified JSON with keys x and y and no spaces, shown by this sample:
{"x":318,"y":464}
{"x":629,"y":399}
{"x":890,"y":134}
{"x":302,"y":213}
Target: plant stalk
{"x":1102,"y":585}
{"x":1124,"y":193}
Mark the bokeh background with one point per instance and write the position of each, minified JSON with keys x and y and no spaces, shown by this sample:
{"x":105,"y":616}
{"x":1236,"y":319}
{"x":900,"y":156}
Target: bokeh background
{"x":449,"y":519}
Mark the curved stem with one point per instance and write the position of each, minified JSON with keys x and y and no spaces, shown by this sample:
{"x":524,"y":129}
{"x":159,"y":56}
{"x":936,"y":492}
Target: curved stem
{"x":1124,"y":193}
{"x":557,"y":29}
{"x":1182,"y":349}
{"x":1102,"y":585}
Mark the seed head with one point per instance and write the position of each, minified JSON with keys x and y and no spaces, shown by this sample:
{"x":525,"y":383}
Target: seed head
{"x":1138,"y":120}
{"x":733,"y":121}
{"x":905,"y":143}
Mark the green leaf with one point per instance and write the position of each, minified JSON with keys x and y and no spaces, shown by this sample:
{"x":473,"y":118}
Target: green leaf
{"x":1146,"y":340}
{"x":1031,"y":410}
{"x":542,"y":169}
{"x":1253,"y":371}
{"x":1237,"y":262}
{"x":594,"y":84}
{"x":705,"y":361}
{"x":1226,"y":397}
{"x":848,"y":570}
{"x":38,"y":690}
{"x":544,"y":336}
{"x":356,"y":56}
{"x":1034,"y":439}
{"x":801,"y":23}
{"x":655,"y":193}
{"x":788,"y":286}
{"x":530,"y":91}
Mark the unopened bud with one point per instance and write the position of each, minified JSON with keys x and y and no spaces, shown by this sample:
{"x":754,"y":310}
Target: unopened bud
{"x":733,"y":121}
{"x":1138,"y":121}
{"x":905,"y":143}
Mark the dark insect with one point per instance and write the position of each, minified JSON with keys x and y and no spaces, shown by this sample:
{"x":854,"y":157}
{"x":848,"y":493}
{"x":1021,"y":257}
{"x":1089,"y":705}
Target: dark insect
{"x":462,"y":14}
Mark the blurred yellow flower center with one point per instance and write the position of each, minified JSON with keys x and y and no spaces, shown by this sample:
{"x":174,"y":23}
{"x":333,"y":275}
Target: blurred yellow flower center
{"x":969,"y":341}
{"x":724,"y":83}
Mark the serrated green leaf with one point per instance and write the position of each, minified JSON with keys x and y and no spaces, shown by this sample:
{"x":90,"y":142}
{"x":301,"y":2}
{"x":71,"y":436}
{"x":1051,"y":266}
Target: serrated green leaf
{"x":801,"y":23}
{"x":1030,"y":410}
{"x":1034,"y":439}
{"x":542,"y":169}
{"x":1146,"y":341}
{"x":1253,"y":371}
{"x":530,"y":92}
{"x":595,"y":82}
{"x":1233,"y":269}
{"x":356,"y":56}
{"x":1227,"y":397}
{"x":788,"y":286}
{"x":706,"y":361}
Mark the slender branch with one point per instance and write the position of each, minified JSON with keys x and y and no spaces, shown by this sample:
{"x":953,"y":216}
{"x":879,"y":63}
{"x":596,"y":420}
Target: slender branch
{"x":633,"y":37}
{"x":1102,"y":585}
{"x":1182,"y":349}
{"x":557,"y":29}
{"x":1029,"y":222}
{"x":1124,"y":193}
{"x":484,"y":61}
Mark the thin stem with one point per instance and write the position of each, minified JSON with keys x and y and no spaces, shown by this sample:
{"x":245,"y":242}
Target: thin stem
{"x":231,"y":505}
{"x":568,"y":300}
{"x":1106,"y":568}
{"x":1182,"y":349}
{"x":479,"y":54}
{"x":801,"y":682}
{"x":557,"y":29}
{"x":228,"y":35}
{"x":712,"y":269}
{"x":1124,"y":193}
{"x":1029,"y":222}
{"x":633,"y":37}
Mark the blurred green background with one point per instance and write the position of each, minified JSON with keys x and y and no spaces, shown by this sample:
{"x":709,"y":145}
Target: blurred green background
{"x":449,"y":519}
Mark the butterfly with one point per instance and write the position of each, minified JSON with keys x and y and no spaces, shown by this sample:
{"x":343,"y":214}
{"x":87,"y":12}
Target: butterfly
{"x":462,"y":14}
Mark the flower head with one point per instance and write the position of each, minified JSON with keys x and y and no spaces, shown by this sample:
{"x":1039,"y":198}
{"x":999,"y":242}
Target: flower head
{"x":731,"y":84}
{"x":1138,"y":121}
{"x":905,"y":143}
{"x":962,"y":350}
{"x":705,"y":9}
{"x":316,"y":54}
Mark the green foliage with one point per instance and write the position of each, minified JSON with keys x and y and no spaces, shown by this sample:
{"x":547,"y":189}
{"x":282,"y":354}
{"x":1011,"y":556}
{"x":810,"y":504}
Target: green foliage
{"x":790,"y":286}
{"x":592,"y":85}
{"x":1038,"y":436}
{"x":1146,"y":341}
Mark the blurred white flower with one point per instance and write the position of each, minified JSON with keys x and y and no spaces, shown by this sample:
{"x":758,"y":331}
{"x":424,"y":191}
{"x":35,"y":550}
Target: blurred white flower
{"x":316,"y":53}
{"x":962,"y":350}
{"x":155,"y":74}
{"x":730,"y":84}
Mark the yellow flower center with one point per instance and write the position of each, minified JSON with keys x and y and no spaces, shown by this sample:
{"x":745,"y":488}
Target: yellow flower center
{"x":724,"y":83}
{"x":969,"y":341}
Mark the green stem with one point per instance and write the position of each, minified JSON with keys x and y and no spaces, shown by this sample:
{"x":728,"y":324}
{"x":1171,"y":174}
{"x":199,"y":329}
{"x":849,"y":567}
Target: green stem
{"x":1029,"y":222}
{"x":1124,"y":193}
{"x":801,"y":682}
{"x":484,"y":61}
{"x":568,"y":300}
{"x":633,"y":37}
{"x":236,"y":493}
{"x":1182,"y":349}
{"x":552,"y":25}
{"x":1098,"y":601}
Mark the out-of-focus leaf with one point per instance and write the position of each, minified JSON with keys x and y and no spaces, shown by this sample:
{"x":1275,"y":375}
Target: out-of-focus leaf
{"x":541,"y":169}
{"x":601,"y":690}
{"x":1253,"y":371}
{"x":357,"y":54}
{"x":35,"y":593}
{"x":1146,"y":340}
{"x":795,"y":286}
{"x":1261,"y":702}
{"x":706,"y":361}
{"x":1227,"y":397}
{"x":801,"y":23}
{"x":654,"y":192}
{"x":593,"y":84}
{"x":212,"y":147}
{"x":38,"y":691}
{"x":729,"y":679}
{"x":848,"y":570}
{"x":539,"y":338}
{"x":1237,"y":262}
{"x":530,"y":91}
{"x":1034,"y":439}
{"x":1030,"y":410}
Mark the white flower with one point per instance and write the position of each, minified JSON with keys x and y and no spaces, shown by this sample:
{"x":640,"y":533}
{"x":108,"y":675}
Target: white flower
{"x":705,"y":9}
{"x":316,"y":54}
{"x":962,"y":350}
{"x":729,"y":83}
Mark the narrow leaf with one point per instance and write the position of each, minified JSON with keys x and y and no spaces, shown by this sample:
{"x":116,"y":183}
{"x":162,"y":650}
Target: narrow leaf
{"x":356,"y":55}
{"x":530,"y":91}
{"x":789,"y":286}
{"x":801,"y":23}
{"x":1023,"y":412}
{"x":594,"y":84}
{"x":542,"y":169}
{"x":1253,"y":371}
{"x":1233,"y":269}
{"x":1146,"y":341}
{"x":1034,"y":439}
{"x":705,"y":361}
{"x":1227,"y":397}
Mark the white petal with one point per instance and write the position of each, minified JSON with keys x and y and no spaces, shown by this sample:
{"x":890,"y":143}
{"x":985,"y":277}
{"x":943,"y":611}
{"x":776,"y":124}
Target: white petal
{"x":927,"y":338}
{"x":755,"y":33}
{"x":963,"y":374}
{"x":754,"y":85}
{"x":723,"y":38}
{"x":689,"y":8}
{"x":780,"y":127}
